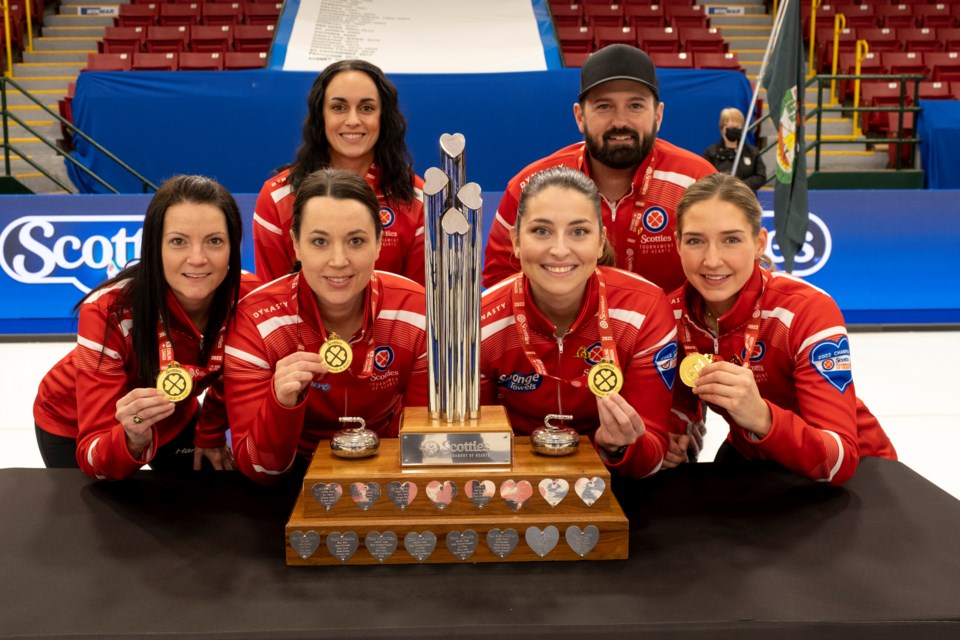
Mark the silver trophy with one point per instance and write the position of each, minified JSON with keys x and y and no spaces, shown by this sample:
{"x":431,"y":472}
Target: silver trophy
{"x":453,"y":238}
{"x":450,"y":430}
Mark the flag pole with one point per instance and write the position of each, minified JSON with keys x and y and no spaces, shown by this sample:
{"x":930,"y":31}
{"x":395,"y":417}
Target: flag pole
{"x":771,"y":43}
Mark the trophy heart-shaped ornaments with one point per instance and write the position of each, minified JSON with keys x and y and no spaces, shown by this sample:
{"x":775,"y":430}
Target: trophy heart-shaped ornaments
{"x":554,"y":491}
{"x":515,"y":493}
{"x":441,"y":494}
{"x":402,"y":493}
{"x":305,"y":544}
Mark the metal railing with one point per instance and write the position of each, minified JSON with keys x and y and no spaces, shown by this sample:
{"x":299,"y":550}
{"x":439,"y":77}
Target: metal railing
{"x":9,"y":148}
{"x":815,"y":115}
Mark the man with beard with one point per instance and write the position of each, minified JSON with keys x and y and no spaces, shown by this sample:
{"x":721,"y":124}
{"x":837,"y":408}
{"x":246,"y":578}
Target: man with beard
{"x":640,"y":177}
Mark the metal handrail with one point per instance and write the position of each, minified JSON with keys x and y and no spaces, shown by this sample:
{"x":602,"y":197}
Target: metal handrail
{"x":145,"y":183}
{"x":821,"y":108}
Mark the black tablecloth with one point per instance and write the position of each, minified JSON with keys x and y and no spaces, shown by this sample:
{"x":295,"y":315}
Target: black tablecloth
{"x":719,"y":552}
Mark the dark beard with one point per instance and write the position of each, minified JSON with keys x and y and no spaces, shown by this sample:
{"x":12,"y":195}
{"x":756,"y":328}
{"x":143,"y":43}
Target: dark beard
{"x":620,"y":156}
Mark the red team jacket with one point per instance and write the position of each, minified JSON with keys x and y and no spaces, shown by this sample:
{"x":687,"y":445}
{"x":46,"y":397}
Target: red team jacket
{"x":402,"y":249}
{"x":641,"y":226}
{"x":801,"y":362}
{"x":78,"y":396}
{"x":268,"y":436}
{"x":644,"y":332}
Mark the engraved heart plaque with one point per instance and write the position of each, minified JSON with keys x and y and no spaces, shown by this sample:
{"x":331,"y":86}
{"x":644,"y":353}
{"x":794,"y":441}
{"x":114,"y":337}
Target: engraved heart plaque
{"x":420,"y":545}
{"x":343,"y":546}
{"x":462,"y":544}
{"x":582,"y":542}
{"x":365,"y":494}
{"x":542,"y":542}
{"x":480,"y":492}
{"x":590,"y":489}
{"x":380,"y":545}
{"x":554,"y":491}
{"x":327,"y":494}
{"x":402,"y":493}
{"x":515,"y":493}
{"x":305,"y":544}
{"x":441,"y":494}
{"x":502,"y":543}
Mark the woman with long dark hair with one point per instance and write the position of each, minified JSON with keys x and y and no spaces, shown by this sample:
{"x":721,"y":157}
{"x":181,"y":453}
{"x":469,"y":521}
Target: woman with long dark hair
{"x":354,"y":123}
{"x":164,"y":317}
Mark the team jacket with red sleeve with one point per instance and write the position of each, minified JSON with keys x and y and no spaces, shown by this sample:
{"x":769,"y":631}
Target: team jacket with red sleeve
{"x":402,"y":249}
{"x":271,"y":324}
{"x":640,"y":226}
{"x":802,"y":365}
{"x":643,"y":331}
{"x":78,"y":396}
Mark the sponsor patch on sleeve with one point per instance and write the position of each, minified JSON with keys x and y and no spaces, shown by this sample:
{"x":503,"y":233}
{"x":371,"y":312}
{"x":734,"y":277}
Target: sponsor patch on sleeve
{"x":831,"y":359}
{"x":666,"y":363}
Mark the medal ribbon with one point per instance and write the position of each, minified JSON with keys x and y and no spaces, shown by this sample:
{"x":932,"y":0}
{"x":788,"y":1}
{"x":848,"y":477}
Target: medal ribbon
{"x":607,"y":346}
{"x":197,"y":373}
{"x":374,"y":289}
{"x":750,"y":333}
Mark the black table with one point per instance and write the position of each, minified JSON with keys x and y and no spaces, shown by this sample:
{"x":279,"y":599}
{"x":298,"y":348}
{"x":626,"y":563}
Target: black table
{"x":715,"y":552}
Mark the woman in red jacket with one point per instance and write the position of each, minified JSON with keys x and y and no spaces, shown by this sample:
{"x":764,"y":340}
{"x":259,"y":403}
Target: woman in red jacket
{"x":767,"y":351}
{"x":166,"y":315}
{"x":544,"y":330}
{"x":284,"y":398}
{"x":353,"y":122}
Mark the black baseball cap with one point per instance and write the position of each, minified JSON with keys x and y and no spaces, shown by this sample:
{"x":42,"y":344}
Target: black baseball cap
{"x":618,"y":62}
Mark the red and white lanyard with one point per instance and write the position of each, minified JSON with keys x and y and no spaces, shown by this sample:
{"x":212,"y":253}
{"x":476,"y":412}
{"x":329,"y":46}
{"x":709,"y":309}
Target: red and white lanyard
{"x":607,"y":347}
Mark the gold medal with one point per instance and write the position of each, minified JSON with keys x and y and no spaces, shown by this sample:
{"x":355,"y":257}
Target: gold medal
{"x":604,"y":378}
{"x":691,"y":365}
{"x":336,"y":353}
{"x":175,"y":382}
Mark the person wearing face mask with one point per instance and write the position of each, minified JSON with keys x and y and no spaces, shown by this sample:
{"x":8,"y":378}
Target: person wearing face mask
{"x":722,"y":153}
{"x":640,"y":176}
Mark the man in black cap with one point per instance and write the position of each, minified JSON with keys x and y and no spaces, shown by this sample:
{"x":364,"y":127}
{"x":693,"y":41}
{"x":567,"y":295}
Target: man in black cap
{"x":640,"y":177}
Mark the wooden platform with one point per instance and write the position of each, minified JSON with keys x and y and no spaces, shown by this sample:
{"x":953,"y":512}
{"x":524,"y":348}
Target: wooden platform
{"x":550,"y":503}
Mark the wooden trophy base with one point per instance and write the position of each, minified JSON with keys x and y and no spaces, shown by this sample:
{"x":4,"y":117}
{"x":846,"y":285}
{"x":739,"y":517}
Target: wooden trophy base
{"x":375,"y":511}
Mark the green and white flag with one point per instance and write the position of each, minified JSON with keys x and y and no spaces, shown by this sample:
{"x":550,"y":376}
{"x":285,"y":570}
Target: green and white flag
{"x":784,"y":80}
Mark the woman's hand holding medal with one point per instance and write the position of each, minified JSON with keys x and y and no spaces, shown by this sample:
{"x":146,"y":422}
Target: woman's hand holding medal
{"x":294,"y":373}
{"x":620,"y":424}
{"x":732,"y":387}
{"x":137,"y":412}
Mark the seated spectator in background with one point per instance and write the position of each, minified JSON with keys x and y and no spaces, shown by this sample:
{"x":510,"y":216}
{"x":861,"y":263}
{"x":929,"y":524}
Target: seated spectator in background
{"x":353,"y":122}
{"x":722,"y":153}
{"x":640,"y":177}
{"x":543,"y":330}
{"x":283,"y":397}
{"x":99,"y":407}
{"x":780,"y":371}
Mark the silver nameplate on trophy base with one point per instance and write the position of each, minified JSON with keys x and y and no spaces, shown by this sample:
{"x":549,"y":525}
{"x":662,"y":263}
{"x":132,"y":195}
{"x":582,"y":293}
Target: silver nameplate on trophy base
{"x":455,"y":447}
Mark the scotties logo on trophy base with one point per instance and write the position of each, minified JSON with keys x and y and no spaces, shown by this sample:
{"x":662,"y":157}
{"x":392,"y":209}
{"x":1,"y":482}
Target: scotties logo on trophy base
{"x":456,"y":486}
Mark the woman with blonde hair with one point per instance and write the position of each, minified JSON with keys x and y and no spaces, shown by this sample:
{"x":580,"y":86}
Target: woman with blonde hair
{"x":767,"y":351}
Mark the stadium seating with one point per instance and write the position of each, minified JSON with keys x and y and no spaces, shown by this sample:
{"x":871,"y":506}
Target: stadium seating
{"x":671,"y":60}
